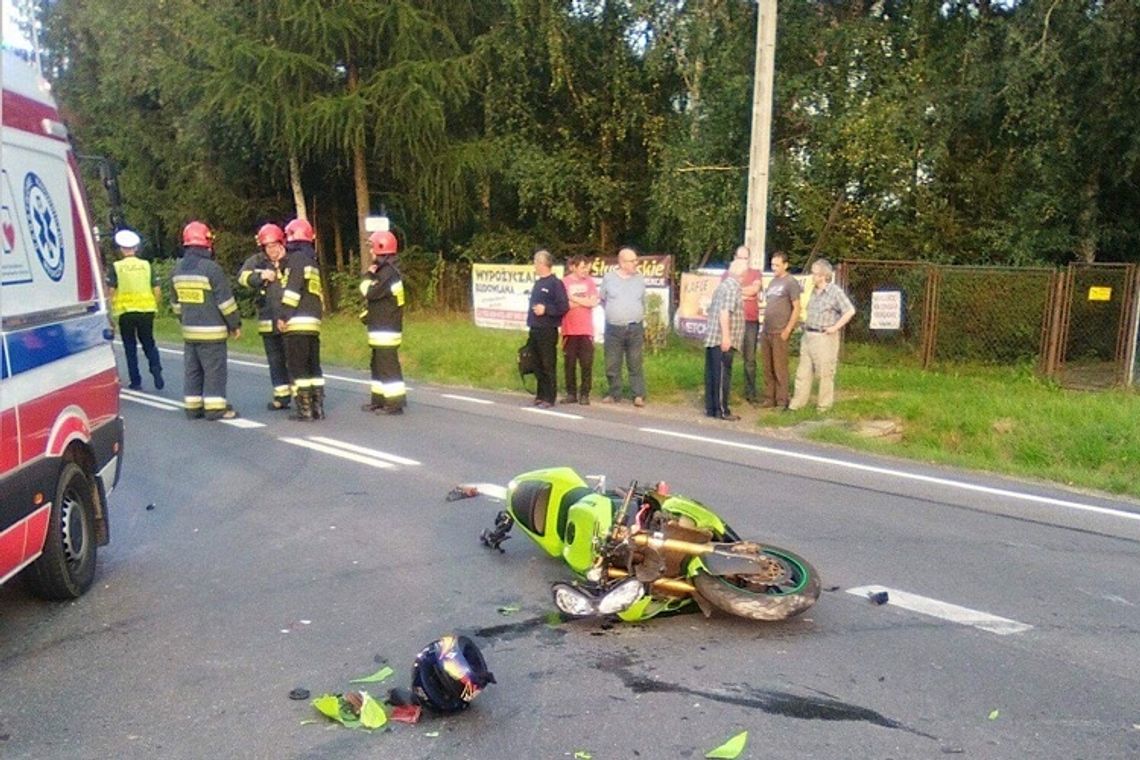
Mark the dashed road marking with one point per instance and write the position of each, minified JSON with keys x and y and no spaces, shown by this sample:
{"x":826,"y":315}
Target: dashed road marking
{"x":472,"y":399}
{"x":944,"y":610}
{"x":157,"y":402}
{"x":336,"y":452}
{"x":394,"y":458}
{"x":552,"y":413}
{"x":243,"y":423}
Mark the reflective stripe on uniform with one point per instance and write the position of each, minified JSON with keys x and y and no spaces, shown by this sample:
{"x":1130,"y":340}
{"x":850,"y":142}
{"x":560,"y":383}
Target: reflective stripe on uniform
{"x":290,"y":297}
{"x":265,"y":326}
{"x":301,"y":323}
{"x":394,"y":389}
{"x":194,"y":333}
{"x":192,"y":402}
{"x":228,"y":306}
{"x":384,"y":338}
{"x":215,"y":403}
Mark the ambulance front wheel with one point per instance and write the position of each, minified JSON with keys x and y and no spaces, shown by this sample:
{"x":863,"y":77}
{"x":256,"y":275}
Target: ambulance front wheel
{"x":67,"y":566}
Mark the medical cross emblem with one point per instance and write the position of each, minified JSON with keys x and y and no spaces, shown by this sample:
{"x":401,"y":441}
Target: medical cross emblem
{"x":47,"y":234}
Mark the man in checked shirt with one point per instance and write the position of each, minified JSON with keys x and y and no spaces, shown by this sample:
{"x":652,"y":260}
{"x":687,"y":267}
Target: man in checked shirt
{"x":828,"y":310}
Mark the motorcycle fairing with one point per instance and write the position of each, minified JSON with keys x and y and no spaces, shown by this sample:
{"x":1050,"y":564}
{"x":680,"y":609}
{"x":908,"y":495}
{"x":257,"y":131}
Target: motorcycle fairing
{"x":590,"y":516}
{"x":532,"y":496}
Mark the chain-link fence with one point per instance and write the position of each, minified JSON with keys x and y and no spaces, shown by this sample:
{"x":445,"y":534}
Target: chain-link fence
{"x":1076,"y":325}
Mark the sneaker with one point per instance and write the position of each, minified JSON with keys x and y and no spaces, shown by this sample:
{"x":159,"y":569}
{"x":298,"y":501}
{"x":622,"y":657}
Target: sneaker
{"x":278,"y":404}
{"x":638,"y":401}
{"x":543,"y":404}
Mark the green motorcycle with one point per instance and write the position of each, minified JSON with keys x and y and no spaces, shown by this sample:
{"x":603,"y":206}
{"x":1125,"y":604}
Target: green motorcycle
{"x":640,"y":552}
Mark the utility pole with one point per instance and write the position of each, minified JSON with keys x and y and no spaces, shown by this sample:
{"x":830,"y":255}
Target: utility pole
{"x":756,"y":214}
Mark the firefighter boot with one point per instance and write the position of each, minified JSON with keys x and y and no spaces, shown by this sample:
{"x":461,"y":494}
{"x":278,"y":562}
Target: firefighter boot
{"x":375,"y":403}
{"x":319,"y":402}
{"x":303,"y":405}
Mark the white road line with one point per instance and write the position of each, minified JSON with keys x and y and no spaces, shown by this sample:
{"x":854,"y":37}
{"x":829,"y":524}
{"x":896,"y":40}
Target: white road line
{"x":467,"y":398}
{"x":904,"y":475}
{"x":148,"y":402}
{"x":952,"y":612}
{"x":362,"y":450}
{"x":552,"y":413}
{"x":262,"y":365}
{"x":377,"y":463}
{"x":242,"y":422}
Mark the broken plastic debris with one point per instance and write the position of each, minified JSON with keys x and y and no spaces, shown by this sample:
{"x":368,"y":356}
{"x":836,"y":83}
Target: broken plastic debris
{"x":731,"y":748}
{"x":462,"y":492}
{"x":879,"y":597}
{"x":406,"y":713}
{"x":994,"y":714}
{"x":150,"y":507}
{"x":582,"y":755}
{"x":299,"y":693}
{"x":509,"y":609}
{"x":380,"y":675}
{"x":432,"y":734}
{"x":352,"y":709}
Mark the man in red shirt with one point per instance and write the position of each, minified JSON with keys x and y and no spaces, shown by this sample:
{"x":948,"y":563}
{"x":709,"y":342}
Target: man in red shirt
{"x":578,"y":329}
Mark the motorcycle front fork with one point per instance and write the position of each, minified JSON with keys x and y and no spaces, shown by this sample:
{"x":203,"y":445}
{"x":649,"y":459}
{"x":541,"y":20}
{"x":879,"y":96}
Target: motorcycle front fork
{"x":493,"y":538}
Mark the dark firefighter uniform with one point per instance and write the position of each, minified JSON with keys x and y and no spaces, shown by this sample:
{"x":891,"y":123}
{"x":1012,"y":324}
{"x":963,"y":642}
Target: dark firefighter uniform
{"x":383,"y":291}
{"x":301,"y":312}
{"x":206,"y":307}
{"x":268,"y":300}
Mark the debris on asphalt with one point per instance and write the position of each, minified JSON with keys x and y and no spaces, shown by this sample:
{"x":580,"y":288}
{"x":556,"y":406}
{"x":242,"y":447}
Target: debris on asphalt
{"x":380,"y":675}
{"x":432,"y":734}
{"x":878,"y":597}
{"x":731,"y":748}
{"x":994,"y":714}
{"x":509,"y":609}
{"x":832,"y":588}
{"x":299,"y":693}
{"x":150,"y":507}
{"x":462,"y":492}
{"x":406,"y":713}
{"x":582,"y":755}
{"x":353,"y":709}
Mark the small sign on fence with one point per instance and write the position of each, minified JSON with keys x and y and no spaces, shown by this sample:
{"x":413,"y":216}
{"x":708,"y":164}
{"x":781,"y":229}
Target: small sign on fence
{"x":1100,"y":293}
{"x":886,"y":310}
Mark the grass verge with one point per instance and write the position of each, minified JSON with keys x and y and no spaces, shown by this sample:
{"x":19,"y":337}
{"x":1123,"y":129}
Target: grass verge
{"x":998,"y":419}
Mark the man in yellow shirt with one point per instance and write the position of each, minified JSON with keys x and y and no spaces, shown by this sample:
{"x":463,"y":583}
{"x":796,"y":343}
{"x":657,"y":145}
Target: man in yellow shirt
{"x":134,"y":301}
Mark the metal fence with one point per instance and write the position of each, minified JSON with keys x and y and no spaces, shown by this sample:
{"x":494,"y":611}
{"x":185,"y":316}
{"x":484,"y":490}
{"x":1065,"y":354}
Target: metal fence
{"x":1077,"y":325}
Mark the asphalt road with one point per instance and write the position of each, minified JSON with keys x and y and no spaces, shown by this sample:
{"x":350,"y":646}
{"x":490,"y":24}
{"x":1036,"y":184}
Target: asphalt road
{"x":279,"y":556}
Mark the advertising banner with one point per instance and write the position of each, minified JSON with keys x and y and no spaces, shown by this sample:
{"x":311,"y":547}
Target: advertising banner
{"x":691,"y":319}
{"x":500,"y":293}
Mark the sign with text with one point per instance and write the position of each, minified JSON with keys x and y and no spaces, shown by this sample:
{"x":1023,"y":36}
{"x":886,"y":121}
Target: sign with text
{"x":691,"y":320}
{"x":886,"y":310}
{"x":500,"y":293}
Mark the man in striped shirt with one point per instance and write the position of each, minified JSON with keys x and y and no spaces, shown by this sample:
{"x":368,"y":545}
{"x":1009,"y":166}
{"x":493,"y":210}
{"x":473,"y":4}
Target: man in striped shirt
{"x":723,"y":339}
{"x":828,"y":310}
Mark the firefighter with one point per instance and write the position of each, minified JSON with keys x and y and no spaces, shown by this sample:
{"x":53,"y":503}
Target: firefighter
{"x":263,"y":273}
{"x":300,"y":320}
{"x":383,"y":290}
{"x":206,"y":307}
{"x":135,"y":296}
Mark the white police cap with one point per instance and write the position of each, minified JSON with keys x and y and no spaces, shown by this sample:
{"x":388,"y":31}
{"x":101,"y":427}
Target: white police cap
{"x":127,"y":239}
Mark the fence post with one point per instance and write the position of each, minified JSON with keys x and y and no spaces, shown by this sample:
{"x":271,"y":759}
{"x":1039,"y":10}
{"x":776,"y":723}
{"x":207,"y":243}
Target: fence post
{"x":1052,"y":329}
{"x":930,"y":316}
{"x":1131,"y":332}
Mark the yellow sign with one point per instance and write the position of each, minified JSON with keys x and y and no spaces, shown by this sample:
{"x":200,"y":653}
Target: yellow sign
{"x":1100,"y":293}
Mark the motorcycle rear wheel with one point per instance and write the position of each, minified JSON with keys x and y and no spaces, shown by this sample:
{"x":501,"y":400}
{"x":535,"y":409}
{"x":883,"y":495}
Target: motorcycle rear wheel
{"x":743,"y":596}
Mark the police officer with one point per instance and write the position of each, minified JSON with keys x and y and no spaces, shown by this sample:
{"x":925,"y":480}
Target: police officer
{"x":134,"y":299}
{"x":208,"y":312}
{"x":263,"y":273}
{"x":300,"y":320}
{"x":383,"y":290}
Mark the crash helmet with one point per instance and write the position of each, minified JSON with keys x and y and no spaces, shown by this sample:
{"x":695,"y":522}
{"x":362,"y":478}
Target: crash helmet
{"x":270,"y":233}
{"x":383,"y":243}
{"x":299,"y":229}
{"x":197,"y":233}
{"x":449,"y":673}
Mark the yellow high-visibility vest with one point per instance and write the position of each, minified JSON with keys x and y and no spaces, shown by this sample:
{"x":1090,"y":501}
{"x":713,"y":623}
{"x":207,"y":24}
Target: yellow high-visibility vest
{"x":133,"y":289}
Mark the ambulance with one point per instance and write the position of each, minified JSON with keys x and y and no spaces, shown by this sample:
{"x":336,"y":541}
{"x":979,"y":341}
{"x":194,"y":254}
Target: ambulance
{"x":61,"y":435}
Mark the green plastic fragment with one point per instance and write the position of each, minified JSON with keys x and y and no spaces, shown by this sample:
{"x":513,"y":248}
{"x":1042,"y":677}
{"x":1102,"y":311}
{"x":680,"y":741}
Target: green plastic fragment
{"x":731,"y":748}
{"x":380,"y":675}
{"x":582,"y":755}
{"x":509,"y":609}
{"x":994,"y":714}
{"x":432,"y":734}
{"x":372,"y":714}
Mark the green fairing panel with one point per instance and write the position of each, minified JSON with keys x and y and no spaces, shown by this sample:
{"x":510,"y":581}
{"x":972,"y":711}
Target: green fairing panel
{"x":562,"y":480}
{"x":648,"y":606}
{"x":590,"y":516}
{"x":701,"y":515}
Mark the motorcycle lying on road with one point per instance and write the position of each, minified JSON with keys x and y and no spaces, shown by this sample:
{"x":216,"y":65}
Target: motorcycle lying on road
{"x":644,"y":551}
